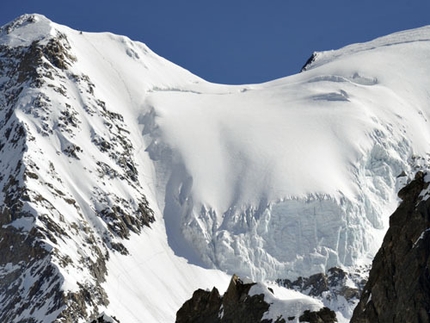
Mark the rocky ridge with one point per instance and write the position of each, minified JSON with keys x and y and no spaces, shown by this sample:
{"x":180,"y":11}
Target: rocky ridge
{"x":47,"y":232}
{"x":235,"y":306}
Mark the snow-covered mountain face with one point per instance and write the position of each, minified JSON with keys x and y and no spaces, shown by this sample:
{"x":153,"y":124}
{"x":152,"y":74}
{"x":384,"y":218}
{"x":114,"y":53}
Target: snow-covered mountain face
{"x":297,"y":175}
{"x":81,"y":230}
{"x":124,"y":175}
{"x":70,"y":188}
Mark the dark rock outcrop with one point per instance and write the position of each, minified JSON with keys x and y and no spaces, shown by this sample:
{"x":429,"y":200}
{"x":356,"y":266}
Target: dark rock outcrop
{"x":237,"y":306}
{"x":398,"y":289}
{"x":324,"y":315}
{"x":309,"y":62}
{"x":106,"y":319}
{"x":204,"y":306}
{"x":331,"y":284}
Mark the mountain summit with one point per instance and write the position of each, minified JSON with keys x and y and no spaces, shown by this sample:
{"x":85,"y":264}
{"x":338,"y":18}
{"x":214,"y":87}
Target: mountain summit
{"x":127,"y":182}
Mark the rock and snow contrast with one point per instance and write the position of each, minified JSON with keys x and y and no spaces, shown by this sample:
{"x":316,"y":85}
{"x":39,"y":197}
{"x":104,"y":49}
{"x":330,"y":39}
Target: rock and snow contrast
{"x":128,"y":182}
{"x":398,"y":289}
{"x":246,"y":301}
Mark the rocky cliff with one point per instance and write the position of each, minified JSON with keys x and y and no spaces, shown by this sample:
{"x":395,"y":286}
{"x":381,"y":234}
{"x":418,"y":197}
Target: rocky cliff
{"x":47,"y":232}
{"x":398,"y":289}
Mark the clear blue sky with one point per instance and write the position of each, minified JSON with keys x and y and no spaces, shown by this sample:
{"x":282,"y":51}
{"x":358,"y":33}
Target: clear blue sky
{"x":234,"y":41}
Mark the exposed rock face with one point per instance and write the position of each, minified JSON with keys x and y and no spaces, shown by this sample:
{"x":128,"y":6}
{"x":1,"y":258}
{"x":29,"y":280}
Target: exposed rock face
{"x":105,"y":319}
{"x":334,"y":281}
{"x":237,"y":306}
{"x":204,"y":306}
{"x":309,"y":62}
{"x":324,"y":315}
{"x":398,"y":289}
{"x":337,"y":289}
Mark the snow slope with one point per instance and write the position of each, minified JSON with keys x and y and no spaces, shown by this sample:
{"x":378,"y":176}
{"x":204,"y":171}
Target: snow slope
{"x":273,"y":180}
{"x":297,"y":175}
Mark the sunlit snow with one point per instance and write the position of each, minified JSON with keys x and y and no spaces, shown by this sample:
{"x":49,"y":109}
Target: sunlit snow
{"x":275,"y":180}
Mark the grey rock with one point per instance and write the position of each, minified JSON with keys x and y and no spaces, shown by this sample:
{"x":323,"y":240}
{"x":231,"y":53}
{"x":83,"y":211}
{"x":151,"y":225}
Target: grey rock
{"x":398,"y":289}
{"x":235,"y":306}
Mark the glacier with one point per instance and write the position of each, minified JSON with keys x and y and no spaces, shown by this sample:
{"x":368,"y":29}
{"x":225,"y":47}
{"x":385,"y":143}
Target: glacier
{"x":297,"y":175}
{"x":276,"y":180}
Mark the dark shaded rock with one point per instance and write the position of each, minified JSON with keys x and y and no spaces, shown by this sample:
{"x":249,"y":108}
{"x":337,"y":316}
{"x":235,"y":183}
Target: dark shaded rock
{"x":398,"y":289}
{"x":204,"y":306}
{"x":235,"y":306}
{"x":334,"y":282}
{"x":324,"y":315}
{"x":309,"y":62}
{"x":106,"y":319}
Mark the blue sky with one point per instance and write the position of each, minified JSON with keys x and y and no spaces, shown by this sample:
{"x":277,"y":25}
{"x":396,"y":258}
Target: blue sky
{"x":234,"y":41}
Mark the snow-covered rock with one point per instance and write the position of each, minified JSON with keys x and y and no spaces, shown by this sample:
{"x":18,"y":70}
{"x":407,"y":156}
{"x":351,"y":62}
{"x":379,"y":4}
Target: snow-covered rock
{"x":124,"y":176}
{"x":74,"y":181}
{"x":247,"y":301}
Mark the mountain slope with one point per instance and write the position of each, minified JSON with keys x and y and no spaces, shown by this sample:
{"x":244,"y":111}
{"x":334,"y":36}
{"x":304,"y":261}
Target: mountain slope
{"x":72,"y":189}
{"x":297,"y":175}
{"x":58,"y":252}
{"x":124,"y":176}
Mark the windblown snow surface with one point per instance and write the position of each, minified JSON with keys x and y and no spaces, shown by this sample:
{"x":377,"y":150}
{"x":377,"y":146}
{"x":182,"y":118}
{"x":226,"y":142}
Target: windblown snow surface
{"x":275,"y":180}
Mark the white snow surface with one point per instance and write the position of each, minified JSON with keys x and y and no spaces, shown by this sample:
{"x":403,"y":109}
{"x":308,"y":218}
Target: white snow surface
{"x":284,"y":303}
{"x":275,"y":180}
